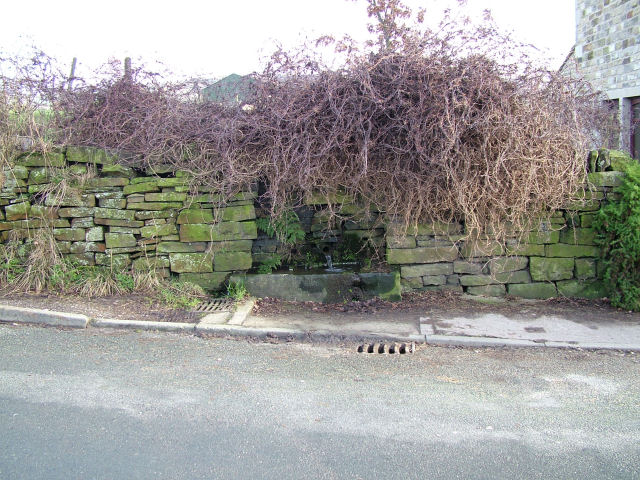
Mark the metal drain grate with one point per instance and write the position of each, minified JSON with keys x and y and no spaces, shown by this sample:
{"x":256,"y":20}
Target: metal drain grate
{"x":215,"y":305}
{"x":391,"y":348}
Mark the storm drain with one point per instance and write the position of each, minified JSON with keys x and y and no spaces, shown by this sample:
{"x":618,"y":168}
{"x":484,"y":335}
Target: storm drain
{"x":391,"y":348}
{"x":215,"y":305}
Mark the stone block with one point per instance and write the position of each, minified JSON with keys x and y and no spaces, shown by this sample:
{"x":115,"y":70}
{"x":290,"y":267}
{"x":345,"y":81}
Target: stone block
{"x":232,"y":246}
{"x":488,"y":290}
{"x":413,"y":283}
{"x":69,"y":234}
{"x":86,"y":259}
{"x":153,"y":214}
{"x":158,"y":230}
{"x":565,"y":250}
{"x":463,"y":266}
{"x":165,"y":197}
{"x":195,"y":215}
{"x":578,"y":236}
{"x":37,"y":159}
{"x":586,"y":220}
{"x":73,"y":200}
{"x":40,"y":211}
{"x":112,"y":203}
{"x":117,"y":262}
{"x":481,"y":248}
{"x":106,"y":182}
{"x":95,"y":234}
{"x":526,"y":249}
{"x":507,"y":264}
{"x":532,"y":290}
{"x":17,"y":211}
{"x":582,"y":289}
{"x":477,"y":280}
{"x":434,"y":280}
{"x":219,"y":232}
{"x":605,"y":179}
{"x":151,"y":263}
{"x":181,"y":247}
{"x":231,"y":261}
{"x":84,"y":247}
{"x":401,"y":242}
{"x":119,"y":240}
{"x":191,"y":262}
{"x":520,"y":276}
{"x":18,"y":172}
{"x":542,"y":237}
{"x":421,"y":255}
{"x":116,"y":170}
{"x":90,"y":155}
{"x":172,"y":182}
{"x":209,"y":281}
{"x":585,"y":268}
{"x":72,"y":212}
{"x":551,"y":269}
{"x":44,"y":175}
{"x":238,"y":213}
{"x":154,"y":205}
{"x":118,"y":223}
{"x":141,"y":188}
{"x":427,"y":269}
{"x":114,"y":214}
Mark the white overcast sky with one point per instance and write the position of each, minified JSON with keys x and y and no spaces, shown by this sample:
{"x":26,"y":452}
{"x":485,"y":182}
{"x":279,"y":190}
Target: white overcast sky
{"x":217,"y":37}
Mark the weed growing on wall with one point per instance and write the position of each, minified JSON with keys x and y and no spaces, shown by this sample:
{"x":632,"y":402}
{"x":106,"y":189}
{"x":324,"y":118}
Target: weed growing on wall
{"x":618,"y":224}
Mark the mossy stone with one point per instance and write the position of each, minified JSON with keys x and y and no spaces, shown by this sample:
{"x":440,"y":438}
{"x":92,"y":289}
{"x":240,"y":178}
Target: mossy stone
{"x":41,"y":211}
{"x":551,"y":269}
{"x":141,"y":187}
{"x":231,"y":261}
{"x":158,"y":230}
{"x":582,"y":289}
{"x":19,"y":172}
{"x":427,"y":269}
{"x":154,"y":205}
{"x":117,"y":203}
{"x":487,"y":290}
{"x":238,"y":213}
{"x":37,"y":159}
{"x":117,"y":262}
{"x":117,"y":170}
{"x":44,"y":175}
{"x":477,"y":280}
{"x":90,"y":155}
{"x":421,"y":255}
{"x":114,"y":213}
{"x":532,"y":290}
{"x":119,"y":240}
{"x":564,"y":250}
{"x":578,"y":236}
{"x":72,"y":212}
{"x":191,"y":262}
{"x":606,"y":179}
{"x":540,"y":237}
{"x":107,"y":182}
{"x":481,"y":248}
{"x":69,"y":234}
{"x":17,"y":211}
{"x":219,"y":232}
{"x":181,"y":247}
{"x":585,"y":268}
{"x":507,"y":264}
{"x":209,"y":281}
{"x":165,"y":197}
{"x":463,"y":266}
{"x":151,"y":263}
{"x":118,"y":223}
{"x":195,"y":215}
{"x":72,"y":200}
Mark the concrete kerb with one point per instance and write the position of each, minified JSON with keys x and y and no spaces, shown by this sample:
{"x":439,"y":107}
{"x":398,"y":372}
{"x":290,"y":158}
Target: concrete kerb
{"x":42,"y":317}
{"x":143,"y":325}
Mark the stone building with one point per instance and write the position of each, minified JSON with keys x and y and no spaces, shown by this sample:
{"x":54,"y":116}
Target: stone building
{"x":607,"y":54}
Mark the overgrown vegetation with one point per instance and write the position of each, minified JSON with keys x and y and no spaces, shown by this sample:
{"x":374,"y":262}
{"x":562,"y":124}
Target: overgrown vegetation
{"x":453,"y":123}
{"x":618,"y":224}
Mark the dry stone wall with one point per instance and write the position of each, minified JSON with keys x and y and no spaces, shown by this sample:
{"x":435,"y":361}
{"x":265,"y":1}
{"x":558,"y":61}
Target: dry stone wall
{"x":122,"y":218}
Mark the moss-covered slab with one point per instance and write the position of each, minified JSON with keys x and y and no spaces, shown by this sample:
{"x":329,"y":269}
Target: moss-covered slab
{"x":19,"y":172}
{"x":69,"y":234}
{"x":86,"y":259}
{"x":158,"y":230}
{"x":582,"y":289}
{"x":119,"y":240}
{"x":41,"y":211}
{"x":421,"y":255}
{"x":520,"y":276}
{"x":209,"y":281}
{"x":488,"y":290}
{"x":231,"y":261}
{"x":141,"y":188}
{"x":195,"y":215}
{"x":36,"y":159}
{"x":543,"y":237}
{"x":232,"y":246}
{"x":507,"y":264}
{"x":191,"y":262}
{"x":606,"y":179}
{"x":463,"y":266}
{"x":401,"y":242}
{"x":119,"y":223}
{"x":114,"y":213}
{"x":17,"y":211}
{"x":551,"y":269}
{"x":154,"y":205}
{"x":117,"y":262}
{"x":117,"y":171}
{"x":151,"y":263}
{"x":238,"y":213}
{"x":44,"y":175}
{"x":578,"y":236}
{"x":429,"y":280}
{"x":181,"y":247}
{"x":154,"y":214}
{"x":117,"y":203}
{"x":585,"y":268}
{"x":84,"y":247}
{"x":427,"y":269}
{"x":73,"y":212}
{"x":477,"y":280}
{"x":565,"y":250}
{"x":95,"y":234}
{"x":536,"y":290}
{"x":90,"y":155}
{"x":586,"y":220}
{"x":219,"y":232}
{"x":102,"y":182}
{"x":72,"y":200}
{"x":165,"y":197}
{"x":481,"y":248}
{"x":526,"y":249}
{"x":386,"y":286}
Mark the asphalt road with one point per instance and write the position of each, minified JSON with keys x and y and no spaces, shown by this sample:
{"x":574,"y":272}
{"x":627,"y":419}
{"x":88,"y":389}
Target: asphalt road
{"x":109,"y":405}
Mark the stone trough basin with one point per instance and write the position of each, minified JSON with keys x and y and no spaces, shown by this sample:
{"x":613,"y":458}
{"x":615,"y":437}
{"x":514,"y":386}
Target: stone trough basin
{"x":322,"y":287}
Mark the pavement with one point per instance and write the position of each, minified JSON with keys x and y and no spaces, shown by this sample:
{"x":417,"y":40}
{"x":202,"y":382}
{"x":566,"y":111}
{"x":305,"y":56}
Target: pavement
{"x":522,"y":329}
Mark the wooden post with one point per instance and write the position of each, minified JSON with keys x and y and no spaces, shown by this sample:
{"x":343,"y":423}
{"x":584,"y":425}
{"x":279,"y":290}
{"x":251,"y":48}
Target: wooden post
{"x":72,"y":75}
{"x":127,"y":69}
